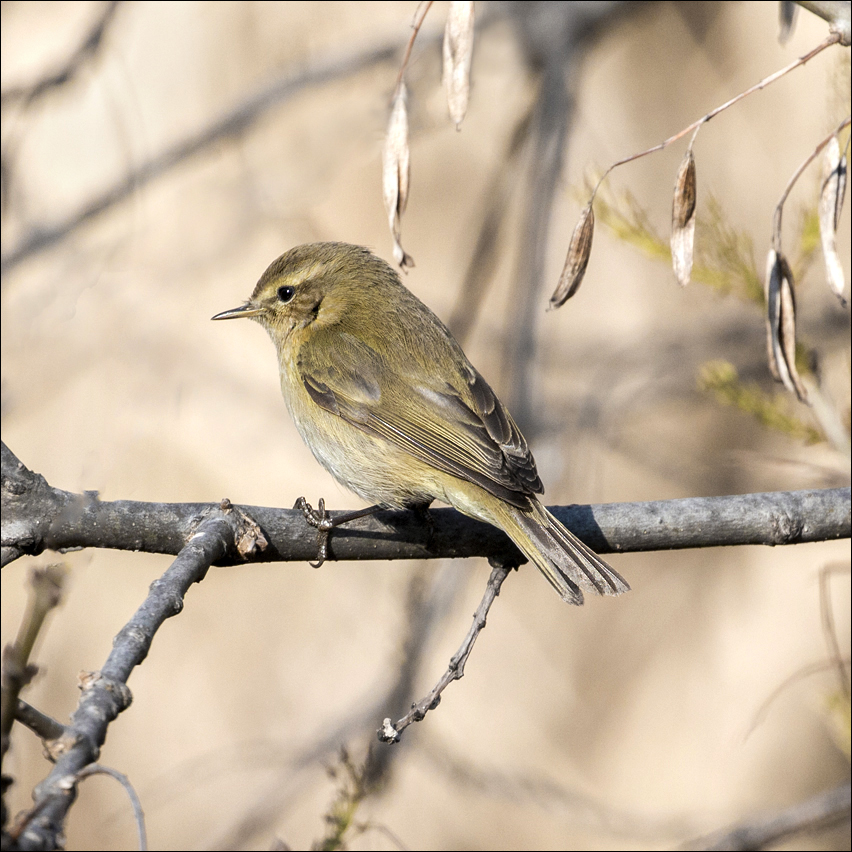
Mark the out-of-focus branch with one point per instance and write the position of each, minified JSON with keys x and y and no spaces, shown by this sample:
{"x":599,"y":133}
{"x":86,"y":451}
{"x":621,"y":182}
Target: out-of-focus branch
{"x":87,"y":50}
{"x":823,"y":810}
{"x":483,"y":262}
{"x":38,"y":517}
{"x":232,"y":124}
{"x":549,"y":129}
{"x":45,"y":594}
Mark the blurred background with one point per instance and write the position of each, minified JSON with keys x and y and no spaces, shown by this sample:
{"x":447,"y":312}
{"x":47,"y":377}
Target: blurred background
{"x":197,"y":141}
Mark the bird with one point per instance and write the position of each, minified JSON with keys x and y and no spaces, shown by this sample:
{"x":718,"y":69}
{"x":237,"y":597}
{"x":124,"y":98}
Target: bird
{"x":389,"y":404}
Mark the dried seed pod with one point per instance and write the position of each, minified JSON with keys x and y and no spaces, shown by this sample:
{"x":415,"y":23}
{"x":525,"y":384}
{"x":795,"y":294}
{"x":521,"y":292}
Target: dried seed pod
{"x":683,"y":219}
{"x":577,"y":259}
{"x":396,"y":172}
{"x":781,"y":324}
{"x":458,"y":51}
{"x":830,"y":206}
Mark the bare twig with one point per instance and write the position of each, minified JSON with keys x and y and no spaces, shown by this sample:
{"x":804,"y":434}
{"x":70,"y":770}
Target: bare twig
{"x":836,"y":12}
{"x":776,"y":219}
{"x":105,"y":693}
{"x":551,"y":120}
{"x":829,"y":628}
{"x":483,"y":262}
{"x":419,"y":16}
{"x":569,"y":287}
{"x":834,"y":38}
{"x":39,"y":723}
{"x":427,"y":603}
{"x":45,"y":593}
{"x":138,"y":815}
{"x":390,"y":732}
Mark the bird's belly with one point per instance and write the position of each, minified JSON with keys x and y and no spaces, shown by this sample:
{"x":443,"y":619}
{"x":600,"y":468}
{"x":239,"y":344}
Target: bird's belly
{"x":372,"y":467}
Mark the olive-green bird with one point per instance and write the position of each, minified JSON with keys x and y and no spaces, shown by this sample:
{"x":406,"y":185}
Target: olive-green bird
{"x":388,"y":403}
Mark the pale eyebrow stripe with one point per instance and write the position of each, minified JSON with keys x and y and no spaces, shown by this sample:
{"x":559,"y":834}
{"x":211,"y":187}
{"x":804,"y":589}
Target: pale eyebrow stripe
{"x":311,"y":271}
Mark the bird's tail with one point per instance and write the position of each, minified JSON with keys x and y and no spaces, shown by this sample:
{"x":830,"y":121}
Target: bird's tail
{"x":569,"y":565}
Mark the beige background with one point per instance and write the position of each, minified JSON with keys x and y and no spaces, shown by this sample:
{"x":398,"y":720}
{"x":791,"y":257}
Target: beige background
{"x":629,"y":723}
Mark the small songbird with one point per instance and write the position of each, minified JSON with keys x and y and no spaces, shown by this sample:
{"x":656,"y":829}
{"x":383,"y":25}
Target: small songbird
{"x":388,"y":403}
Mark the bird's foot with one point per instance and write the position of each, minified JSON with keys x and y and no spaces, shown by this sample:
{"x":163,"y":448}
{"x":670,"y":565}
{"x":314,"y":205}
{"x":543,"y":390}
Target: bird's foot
{"x":324,"y":523}
{"x":421,"y":510}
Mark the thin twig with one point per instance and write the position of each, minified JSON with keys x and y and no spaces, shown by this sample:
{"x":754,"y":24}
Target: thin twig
{"x":829,"y":628}
{"x":44,"y":595}
{"x":390,"y":733}
{"x":234,"y":123}
{"x":139,"y":816}
{"x":800,"y":674}
{"x":776,"y":219}
{"x":834,"y":38}
{"x":39,"y":723}
{"x":419,"y":17}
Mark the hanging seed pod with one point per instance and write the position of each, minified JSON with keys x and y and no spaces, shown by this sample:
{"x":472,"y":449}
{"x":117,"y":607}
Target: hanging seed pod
{"x":396,"y":172}
{"x":577,"y":260}
{"x":781,"y":324}
{"x":683,"y":219}
{"x":458,"y":51}
{"x":830,"y":207}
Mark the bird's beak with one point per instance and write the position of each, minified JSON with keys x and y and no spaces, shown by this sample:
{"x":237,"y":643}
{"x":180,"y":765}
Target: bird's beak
{"x":246,"y":310}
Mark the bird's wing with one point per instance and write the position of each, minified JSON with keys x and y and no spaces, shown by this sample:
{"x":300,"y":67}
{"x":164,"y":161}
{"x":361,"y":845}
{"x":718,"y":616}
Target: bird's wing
{"x":458,"y":426}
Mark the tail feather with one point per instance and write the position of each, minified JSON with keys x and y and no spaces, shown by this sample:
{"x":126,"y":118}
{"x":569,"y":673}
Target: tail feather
{"x":569,"y":565}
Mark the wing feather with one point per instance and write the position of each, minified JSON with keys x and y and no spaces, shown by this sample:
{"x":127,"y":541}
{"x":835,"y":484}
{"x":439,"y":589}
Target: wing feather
{"x":459,"y":427}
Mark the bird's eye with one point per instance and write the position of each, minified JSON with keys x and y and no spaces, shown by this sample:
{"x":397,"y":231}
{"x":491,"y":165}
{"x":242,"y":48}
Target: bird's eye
{"x":286,"y":293}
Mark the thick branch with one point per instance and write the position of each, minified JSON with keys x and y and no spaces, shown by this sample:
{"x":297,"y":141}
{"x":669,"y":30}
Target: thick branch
{"x":105,"y":693}
{"x":38,"y":517}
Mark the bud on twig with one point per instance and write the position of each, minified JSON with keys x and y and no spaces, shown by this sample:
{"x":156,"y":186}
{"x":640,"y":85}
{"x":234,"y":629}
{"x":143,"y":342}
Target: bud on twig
{"x":577,"y":259}
{"x":781,"y":324}
{"x":396,"y":172}
{"x":458,"y":50}
{"x":683,"y":219}
{"x":830,"y":206}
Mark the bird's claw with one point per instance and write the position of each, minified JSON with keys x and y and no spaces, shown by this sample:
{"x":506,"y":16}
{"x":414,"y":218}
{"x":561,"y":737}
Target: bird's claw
{"x":318,"y":517}
{"x":322,"y":522}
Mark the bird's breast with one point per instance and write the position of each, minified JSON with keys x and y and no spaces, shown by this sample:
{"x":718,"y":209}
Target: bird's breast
{"x":372,"y":467}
